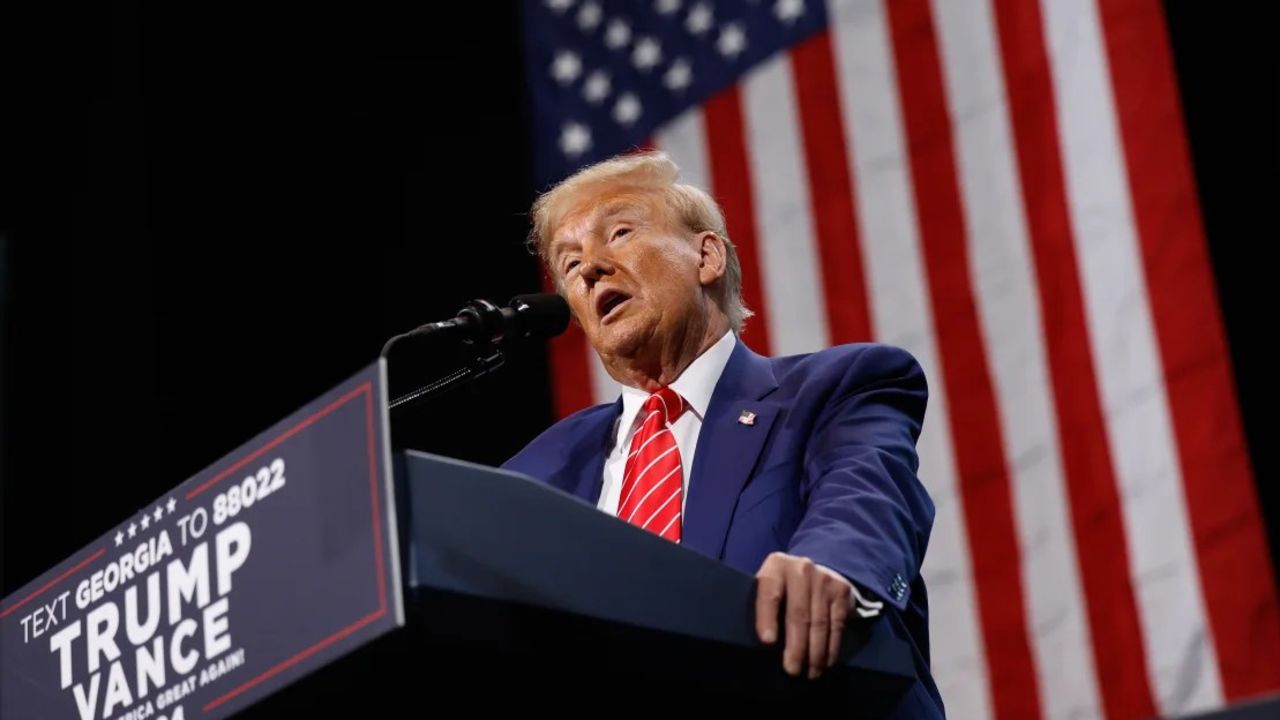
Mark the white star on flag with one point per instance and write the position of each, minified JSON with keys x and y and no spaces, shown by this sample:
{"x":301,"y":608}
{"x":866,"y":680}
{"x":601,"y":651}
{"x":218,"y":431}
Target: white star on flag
{"x":596,"y":87}
{"x":146,"y":521}
{"x":119,"y":538}
{"x":575,"y":139}
{"x":647,"y":54}
{"x":788,"y":10}
{"x":589,"y":16}
{"x":170,"y":505}
{"x":679,"y":75}
{"x":617,"y":35}
{"x":133,"y":529}
{"x":566,"y":67}
{"x":732,"y":41}
{"x":627,"y":110}
{"x":159,"y":513}
{"x":699,"y":20}
{"x":666,"y":7}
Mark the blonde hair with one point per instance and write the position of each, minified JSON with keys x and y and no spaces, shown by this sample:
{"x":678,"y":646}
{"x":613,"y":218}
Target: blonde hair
{"x":651,"y":170}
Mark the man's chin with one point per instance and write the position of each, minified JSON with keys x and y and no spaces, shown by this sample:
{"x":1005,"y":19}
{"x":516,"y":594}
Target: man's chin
{"x":619,"y":340}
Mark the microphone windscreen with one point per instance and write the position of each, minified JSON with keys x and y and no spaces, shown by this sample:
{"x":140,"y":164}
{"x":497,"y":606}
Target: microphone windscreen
{"x":541,"y":314}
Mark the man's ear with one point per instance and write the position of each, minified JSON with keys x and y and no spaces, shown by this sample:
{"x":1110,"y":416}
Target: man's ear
{"x":713,"y":259}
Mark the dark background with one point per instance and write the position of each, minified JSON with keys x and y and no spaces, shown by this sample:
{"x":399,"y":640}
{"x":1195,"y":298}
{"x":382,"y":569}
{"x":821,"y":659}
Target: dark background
{"x":210,"y":215}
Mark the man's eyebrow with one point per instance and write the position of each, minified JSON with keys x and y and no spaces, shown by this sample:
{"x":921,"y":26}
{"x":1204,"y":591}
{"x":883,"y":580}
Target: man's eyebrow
{"x":601,"y":216}
{"x":555,"y":246}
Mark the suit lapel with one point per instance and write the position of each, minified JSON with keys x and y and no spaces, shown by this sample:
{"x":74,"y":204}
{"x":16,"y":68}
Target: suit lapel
{"x":581,"y":471}
{"x":728,"y":448}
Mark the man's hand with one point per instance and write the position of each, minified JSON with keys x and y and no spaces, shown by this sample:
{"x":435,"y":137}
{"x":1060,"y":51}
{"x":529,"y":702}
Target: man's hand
{"x":817,"y":607}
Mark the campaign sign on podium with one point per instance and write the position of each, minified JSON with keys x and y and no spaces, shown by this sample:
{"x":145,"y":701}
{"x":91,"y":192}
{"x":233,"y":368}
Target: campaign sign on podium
{"x":277,"y":559}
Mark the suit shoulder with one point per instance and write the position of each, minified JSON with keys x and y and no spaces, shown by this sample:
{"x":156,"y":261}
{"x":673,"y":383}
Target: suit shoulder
{"x":575,"y":422}
{"x":851,"y":378}
{"x":865,"y":361}
{"x":586,"y":415}
{"x":572,"y":426}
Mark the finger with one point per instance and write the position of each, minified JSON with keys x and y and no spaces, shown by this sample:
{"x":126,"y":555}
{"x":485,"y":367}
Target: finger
{"x":839,"y":618}
{"x":769,"y":592}
{"x":799,"y":582}
{"x":819,"y":627}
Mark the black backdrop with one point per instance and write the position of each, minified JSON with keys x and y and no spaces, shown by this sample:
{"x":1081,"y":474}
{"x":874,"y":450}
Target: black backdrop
{"x":211,"y":215}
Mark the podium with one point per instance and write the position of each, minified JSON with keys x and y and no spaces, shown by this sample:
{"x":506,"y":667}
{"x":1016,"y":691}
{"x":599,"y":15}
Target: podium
{"x":313,"y":572}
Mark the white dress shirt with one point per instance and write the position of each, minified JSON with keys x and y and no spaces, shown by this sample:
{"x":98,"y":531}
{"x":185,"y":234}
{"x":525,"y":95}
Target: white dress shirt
{"x":695,"y":385}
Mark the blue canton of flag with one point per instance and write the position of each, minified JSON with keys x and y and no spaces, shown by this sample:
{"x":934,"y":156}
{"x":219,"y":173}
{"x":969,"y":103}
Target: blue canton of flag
{"x":604,"y":75}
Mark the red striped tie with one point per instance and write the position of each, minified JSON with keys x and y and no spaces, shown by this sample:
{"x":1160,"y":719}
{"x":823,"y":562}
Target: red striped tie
{"x":653,"y":481}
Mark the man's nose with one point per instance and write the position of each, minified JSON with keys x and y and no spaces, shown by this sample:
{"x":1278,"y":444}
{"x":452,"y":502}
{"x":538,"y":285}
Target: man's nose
{"x":596,"y":264}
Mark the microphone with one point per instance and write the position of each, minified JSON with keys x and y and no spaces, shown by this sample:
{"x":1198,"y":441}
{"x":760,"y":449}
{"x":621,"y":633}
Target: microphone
{"x":481,"y":321}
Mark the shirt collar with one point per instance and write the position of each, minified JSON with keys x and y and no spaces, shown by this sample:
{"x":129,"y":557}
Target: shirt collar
{"x":696,"y":384}
{"x":698,"y":381}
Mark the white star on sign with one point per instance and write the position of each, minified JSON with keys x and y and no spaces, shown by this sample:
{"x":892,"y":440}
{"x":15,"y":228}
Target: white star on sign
{"x":679,"y":75}
{"x":617,"y":35}
{"x":119,"y":538}
{"x":589,"y":16}
{"x":575,"y":139}
{"x":567,"y":67}
{"x":146,"y":521}
{"x":699,"y":20}
{"x":559,"y":6}
{"x":666,"y":7}
{"x":732,"y":41}
{"x":133,"y":529}
{"x":788,"y":10}
{"x":647,"y":54}
{"x":596,"y":87}
{"x":169,"y":505}
{"x":159,"y":513}
{"x":627,"y":109}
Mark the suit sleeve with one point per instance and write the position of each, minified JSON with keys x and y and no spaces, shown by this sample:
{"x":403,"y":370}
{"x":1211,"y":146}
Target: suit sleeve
{"x":867,"y":514}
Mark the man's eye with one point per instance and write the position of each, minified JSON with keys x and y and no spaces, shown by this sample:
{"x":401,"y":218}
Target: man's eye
{"x":621,"y":232}
{"x":570,"y":266}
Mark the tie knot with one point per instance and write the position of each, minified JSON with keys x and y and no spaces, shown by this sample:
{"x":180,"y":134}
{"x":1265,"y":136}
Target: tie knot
{"x":668,"y":402}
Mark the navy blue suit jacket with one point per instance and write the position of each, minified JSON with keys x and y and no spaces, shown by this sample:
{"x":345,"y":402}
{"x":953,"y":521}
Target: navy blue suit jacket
{"x":827,"y":471}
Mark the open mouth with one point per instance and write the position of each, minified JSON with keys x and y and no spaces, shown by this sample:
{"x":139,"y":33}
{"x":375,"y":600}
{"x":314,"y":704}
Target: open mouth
{"x":609,"y":301}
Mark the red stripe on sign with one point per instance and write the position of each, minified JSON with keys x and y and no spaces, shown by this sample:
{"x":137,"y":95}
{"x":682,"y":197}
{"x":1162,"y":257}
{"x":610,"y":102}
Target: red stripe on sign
{"x":1235,"y":569}
{"x":1101,"y":548}
{"x":40,"y":590}
{"x":975,"y":426}
{"x":571,"y":387}
{"x":375,"y":504}
{"x":293,"y":660}
{"x":302,"y":425}
{"x":731,"y":186}
{"x":831,"y":190}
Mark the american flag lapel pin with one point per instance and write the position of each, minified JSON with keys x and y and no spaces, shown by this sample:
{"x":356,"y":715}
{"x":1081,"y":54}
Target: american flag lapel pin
{"x":747,"y":418}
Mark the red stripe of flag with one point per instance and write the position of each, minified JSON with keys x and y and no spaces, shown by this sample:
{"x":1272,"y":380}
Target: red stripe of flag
{"x":731,"y":185}
{"x":571,"y":386}
{"x":831,"y":190}
{"x":975,"y":426}
{"x":1235,"y":569}
{"x":1101,"y":548}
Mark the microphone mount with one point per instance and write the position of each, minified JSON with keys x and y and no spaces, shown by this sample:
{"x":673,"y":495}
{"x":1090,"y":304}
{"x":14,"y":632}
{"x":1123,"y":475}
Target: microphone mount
{"x":483,"y":327}
{"x":482,"y":363}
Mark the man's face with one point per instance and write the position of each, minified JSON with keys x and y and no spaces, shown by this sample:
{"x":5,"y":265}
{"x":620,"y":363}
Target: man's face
{"x":630,"y":271}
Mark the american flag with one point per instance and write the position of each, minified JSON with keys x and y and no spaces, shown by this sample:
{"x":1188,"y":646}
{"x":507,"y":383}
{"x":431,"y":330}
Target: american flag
{"x":1002,"y":187}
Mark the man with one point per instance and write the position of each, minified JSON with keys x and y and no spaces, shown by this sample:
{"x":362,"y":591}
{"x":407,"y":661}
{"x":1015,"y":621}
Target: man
{"x":800,"y":469}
